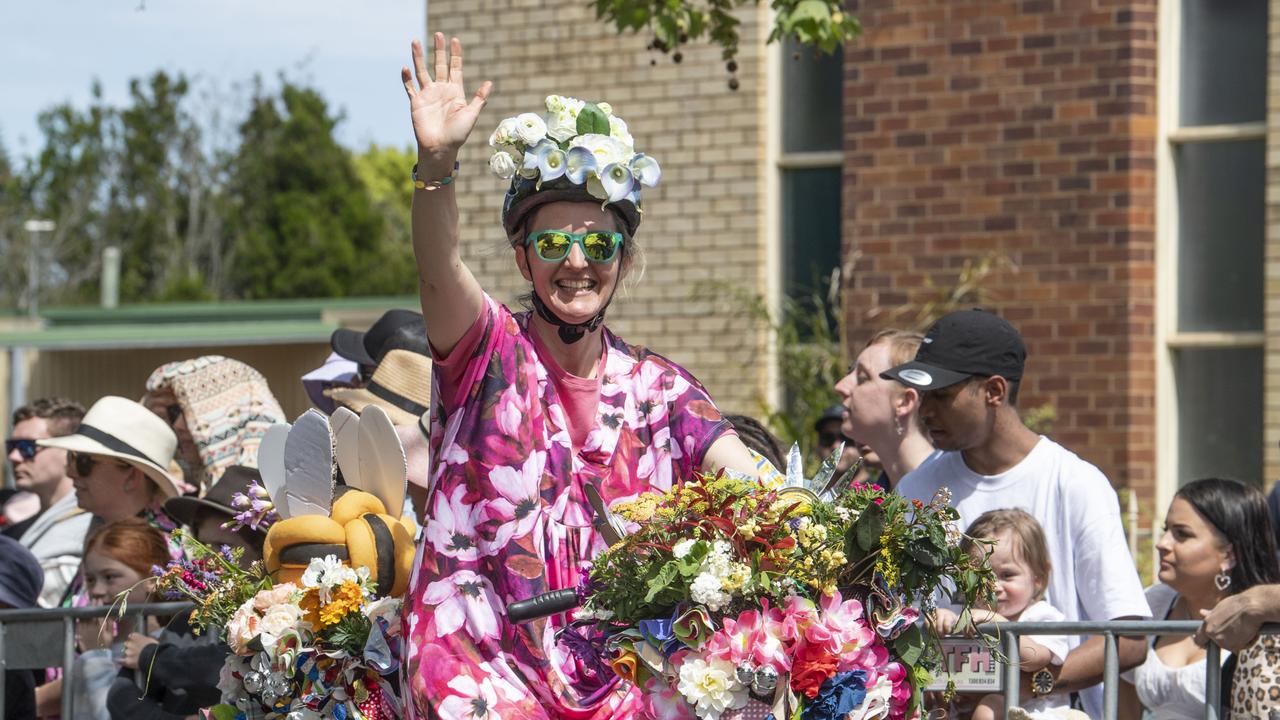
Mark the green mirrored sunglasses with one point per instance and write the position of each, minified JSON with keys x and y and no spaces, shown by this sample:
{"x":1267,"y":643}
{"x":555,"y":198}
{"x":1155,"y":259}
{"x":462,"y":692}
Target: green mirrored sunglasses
{"x":598,"y":246}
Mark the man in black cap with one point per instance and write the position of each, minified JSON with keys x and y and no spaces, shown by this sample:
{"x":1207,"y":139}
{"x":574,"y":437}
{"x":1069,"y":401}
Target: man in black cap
{"x":968,"y":370}
{"x":395,"y":330}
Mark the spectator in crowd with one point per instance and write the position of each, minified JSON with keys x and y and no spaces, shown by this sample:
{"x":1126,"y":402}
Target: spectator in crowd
{"x":179,"y":669}
{"x":18,"y":510}
{"x":1019,"y":558}
{"x":883,"y":414}
{"x":56,"y":535}
{"x":20,"y":580}
{"x":1200,"y":566}
{"x":401,"y":386}
{"x":757,"y":437}
{"x":828,"y":429}
{"x":118,"y":558}
{"x":968,"y":370}
{"x":219,"y":409}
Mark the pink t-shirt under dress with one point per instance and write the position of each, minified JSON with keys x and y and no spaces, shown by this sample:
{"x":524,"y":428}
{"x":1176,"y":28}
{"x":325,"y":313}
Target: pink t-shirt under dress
{"x":507,"y":518}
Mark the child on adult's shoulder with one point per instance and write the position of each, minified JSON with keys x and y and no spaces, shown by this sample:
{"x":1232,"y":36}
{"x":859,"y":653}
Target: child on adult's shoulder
{"x":1020,"y":559}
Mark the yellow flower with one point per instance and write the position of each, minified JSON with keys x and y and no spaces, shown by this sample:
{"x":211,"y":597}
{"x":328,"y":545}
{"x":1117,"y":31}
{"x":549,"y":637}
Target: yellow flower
{"x":346,"y":599}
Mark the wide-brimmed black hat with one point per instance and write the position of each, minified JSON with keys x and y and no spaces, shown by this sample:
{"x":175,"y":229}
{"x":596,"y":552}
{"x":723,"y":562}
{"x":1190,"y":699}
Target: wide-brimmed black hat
{"x":395,"y":330}
{"x":961,"y":345}
{"x":236,"y":479}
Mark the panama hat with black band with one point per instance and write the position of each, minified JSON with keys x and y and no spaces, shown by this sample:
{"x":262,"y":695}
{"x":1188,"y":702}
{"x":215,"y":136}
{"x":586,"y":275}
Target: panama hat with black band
{"x":120,"y":428}
{"x":961,"y":345}
{"x":401,"y":385}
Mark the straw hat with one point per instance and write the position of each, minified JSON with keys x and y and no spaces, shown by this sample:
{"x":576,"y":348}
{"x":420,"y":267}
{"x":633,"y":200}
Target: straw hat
{"x":120,"y":428}
{"x":401,"y":385}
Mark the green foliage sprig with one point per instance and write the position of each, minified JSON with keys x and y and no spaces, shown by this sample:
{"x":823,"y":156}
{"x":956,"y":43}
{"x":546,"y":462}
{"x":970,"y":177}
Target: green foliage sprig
{"x":822,"y":24}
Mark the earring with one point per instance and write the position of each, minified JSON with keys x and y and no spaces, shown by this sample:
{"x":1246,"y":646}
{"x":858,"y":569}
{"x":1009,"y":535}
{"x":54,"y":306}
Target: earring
{"x":897,"y":425}
{"x":1222,"y":581}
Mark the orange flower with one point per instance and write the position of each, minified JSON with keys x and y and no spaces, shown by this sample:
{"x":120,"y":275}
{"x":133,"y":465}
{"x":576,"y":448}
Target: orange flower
{"x":310,"y":604}
{"x":810,"y":668}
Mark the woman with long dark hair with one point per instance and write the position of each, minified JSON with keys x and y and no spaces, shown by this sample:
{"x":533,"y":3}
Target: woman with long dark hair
{"x":1217,"y":542}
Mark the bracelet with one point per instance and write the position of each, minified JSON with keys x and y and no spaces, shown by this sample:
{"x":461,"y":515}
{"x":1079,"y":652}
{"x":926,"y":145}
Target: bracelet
{"x":433,"y":184}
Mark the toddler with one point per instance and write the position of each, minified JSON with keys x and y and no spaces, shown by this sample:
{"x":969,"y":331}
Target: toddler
{"x":1020,"y":559}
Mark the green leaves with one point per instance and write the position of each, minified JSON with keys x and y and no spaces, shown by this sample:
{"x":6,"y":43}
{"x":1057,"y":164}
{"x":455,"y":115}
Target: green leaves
{"x":910,"y":645}
{"x":591,"y":119}
{"x":869,"y":528}
{"x":673,"y":23}
{"x":662,"y":579}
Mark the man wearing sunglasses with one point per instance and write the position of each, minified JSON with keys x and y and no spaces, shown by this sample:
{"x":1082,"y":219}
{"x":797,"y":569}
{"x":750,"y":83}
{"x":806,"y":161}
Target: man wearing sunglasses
{"x":56,"y":536}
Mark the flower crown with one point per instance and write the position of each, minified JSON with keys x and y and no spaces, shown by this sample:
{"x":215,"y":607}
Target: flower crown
{"x":582,"y":142}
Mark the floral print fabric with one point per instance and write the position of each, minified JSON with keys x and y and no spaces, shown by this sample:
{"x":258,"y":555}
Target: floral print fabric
{"x":507,"y":518}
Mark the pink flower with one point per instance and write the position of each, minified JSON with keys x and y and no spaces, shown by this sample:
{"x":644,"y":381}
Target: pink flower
{"x":464,"y":598}
{"x":755,"y":637}
{"x":663,"y":702}
{"x":840,"y":628}
{"x":798,"y":614}
{"x":518,"y":505}
{"x":511,"y":411}
{"x":451,"y":528}
{"x":476,"y":700}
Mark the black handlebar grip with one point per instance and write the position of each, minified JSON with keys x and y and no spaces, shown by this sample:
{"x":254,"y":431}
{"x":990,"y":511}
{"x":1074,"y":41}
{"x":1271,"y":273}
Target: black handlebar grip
{"x":540,"y":606}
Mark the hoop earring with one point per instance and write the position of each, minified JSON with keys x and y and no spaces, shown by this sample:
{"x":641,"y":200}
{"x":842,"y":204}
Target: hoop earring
{"x":1222,"y":581}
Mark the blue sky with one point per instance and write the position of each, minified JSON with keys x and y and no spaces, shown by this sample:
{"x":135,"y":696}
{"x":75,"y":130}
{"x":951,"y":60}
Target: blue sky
{"x":51,"y":50}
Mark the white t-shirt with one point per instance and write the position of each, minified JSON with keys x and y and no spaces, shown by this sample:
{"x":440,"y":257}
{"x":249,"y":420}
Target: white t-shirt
{"x":1093,"y":576}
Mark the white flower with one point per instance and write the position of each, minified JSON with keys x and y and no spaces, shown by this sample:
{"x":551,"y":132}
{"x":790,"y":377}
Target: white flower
{"x":683,"y":547}
{"x":617,"y":181}
{"x":562,"y":125}
{"x":876,"y":703}
{"x":280,"y":620}
{"x":530,"y":128}
{"x":618,"y":131}
{"x":607,"y":150}
{"x":711,"y":687}
{"x":503,"y":164}
{"x":707,"y":590}
{"x":605,"y":108}
{"x":230,"y":686}
{"x":563,"y":103}
{"x":327,"y":573}
{"x":505,"y":134}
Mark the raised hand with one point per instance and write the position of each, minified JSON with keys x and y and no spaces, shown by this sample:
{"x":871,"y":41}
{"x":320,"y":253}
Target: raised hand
{"x":442,"y":115}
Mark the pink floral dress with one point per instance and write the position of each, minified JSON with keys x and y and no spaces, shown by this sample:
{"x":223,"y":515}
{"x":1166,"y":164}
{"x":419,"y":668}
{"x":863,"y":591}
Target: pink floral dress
{"x":507,"y":518}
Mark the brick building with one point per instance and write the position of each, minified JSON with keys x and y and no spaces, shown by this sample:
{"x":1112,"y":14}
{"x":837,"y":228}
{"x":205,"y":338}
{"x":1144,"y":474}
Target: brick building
{"x":1114,"y":152}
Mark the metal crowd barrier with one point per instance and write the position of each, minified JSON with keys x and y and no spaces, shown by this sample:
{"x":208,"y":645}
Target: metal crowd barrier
{"x":1009,"y":632}
{"x":42,"y":638}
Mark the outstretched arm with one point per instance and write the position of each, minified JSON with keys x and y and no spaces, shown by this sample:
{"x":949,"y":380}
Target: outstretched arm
{"x":442,"y":120}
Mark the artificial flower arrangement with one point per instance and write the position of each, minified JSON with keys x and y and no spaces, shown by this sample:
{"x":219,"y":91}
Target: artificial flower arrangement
{"x":574,"y":141}
{"x":742,"y":598}
{"x":323,"y":647}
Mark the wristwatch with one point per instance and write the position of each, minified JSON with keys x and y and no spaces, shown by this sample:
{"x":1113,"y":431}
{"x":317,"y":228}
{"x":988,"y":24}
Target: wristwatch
{"x":1041,"y":683}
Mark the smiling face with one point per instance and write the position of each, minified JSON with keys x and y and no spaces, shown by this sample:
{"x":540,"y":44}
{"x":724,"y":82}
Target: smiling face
{"x":1192,"y":551}
{"x":573,"y":288}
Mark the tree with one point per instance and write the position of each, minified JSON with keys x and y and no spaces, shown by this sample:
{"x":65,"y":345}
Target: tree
{"x":820,"y":23}
{"x":303,"y":223}
{"x":385,"y":171}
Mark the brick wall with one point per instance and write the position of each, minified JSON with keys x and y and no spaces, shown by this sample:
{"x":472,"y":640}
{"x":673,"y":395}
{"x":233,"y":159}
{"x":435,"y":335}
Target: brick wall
{"x":1024,"y":129}
{"x":703,"y":223}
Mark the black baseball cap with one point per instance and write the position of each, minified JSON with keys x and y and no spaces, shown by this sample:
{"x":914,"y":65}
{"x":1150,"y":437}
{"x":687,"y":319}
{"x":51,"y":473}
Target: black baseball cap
{"x":961,"y":345}
{"x":833,"y":412}
{"x":395,"y":330}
